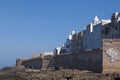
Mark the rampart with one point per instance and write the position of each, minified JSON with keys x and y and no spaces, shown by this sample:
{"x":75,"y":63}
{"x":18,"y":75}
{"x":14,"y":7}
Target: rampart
{"x":85,"y":60}
{"x":35,"y":63}
{"x":111,"y":55}
{"x":106,"y":58}
{"x":41,"y":62}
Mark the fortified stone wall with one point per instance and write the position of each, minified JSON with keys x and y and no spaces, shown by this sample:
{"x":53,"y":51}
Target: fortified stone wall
{"x":46,"y":61}
{"x":40,"y":62}
{"x":35,"y":63}
{"x":111,"y":55}
{"x":86,"y":60}
{"x":19,"y":62}
{"x":97,"y":60}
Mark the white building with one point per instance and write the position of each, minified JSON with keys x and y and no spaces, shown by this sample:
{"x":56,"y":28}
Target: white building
{"x":101,"y":29}
{"x":92,"y":35}
{"x":67,"y":47}
{"x":57,"y":51}
{"x":68,"y":43}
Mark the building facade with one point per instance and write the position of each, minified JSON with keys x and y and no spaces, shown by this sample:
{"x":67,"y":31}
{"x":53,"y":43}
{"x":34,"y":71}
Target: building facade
{"x":77,"y":42}
{"x":67,"y":47}
{"x":92,"y":36}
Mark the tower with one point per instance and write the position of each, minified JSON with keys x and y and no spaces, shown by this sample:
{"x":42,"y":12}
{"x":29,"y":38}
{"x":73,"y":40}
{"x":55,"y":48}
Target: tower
{"x":33,"y":55}
{"x":95,"y":19}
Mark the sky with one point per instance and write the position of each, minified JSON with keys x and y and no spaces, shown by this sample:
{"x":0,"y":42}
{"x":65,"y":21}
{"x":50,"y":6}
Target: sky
{"x":37,"y":26}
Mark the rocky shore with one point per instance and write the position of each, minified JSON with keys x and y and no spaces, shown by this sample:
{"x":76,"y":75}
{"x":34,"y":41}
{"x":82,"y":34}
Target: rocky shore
{"x":63,"y":74}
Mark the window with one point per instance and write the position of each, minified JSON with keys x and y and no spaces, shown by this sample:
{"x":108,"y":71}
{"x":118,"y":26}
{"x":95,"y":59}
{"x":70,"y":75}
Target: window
{"x":116,"y":28}
{"x":78,"y":37}
{"x":106,"y":31}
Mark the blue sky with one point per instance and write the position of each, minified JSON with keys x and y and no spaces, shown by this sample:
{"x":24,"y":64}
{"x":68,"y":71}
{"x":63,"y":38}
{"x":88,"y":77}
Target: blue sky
{"x":42,"y":25}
